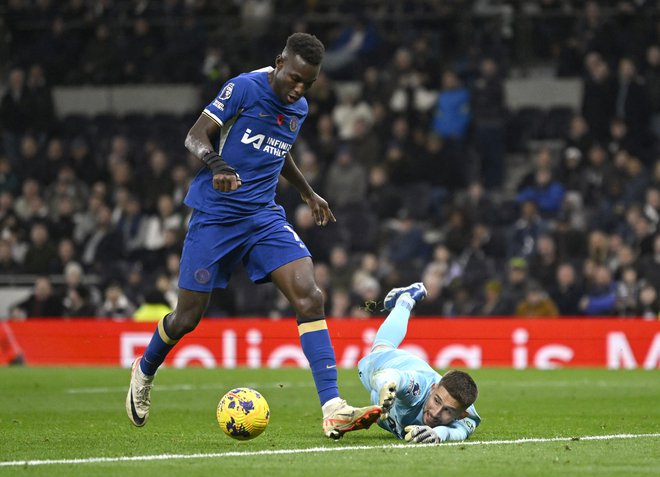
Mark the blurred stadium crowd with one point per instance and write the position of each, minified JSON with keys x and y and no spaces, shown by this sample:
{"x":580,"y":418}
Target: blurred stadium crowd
{"x":430,"y":175}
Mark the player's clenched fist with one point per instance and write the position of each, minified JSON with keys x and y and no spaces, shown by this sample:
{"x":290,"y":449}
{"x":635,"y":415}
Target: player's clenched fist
{"x":421,"y":435}
{"x":386,"y":398}
{"x":227,"y":182}
{"x":225,"y":177}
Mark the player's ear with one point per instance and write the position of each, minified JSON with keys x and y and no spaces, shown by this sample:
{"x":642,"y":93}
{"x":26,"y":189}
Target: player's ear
{"x":279,"y":62}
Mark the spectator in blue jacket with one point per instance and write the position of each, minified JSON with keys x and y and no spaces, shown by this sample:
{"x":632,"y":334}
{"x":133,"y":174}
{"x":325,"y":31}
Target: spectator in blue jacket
{"x":546,"y":193}
{"x":452,"y":114}
{"x":451,"y":123}
{"x":601,"y":296}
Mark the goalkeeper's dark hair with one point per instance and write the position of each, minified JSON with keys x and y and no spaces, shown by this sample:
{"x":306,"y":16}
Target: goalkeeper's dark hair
{"x":460,"y":386}
{"x":309,"y":47}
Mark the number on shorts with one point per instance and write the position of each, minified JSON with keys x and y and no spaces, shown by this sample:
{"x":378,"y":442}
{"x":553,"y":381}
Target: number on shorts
{"x":295,"y":236}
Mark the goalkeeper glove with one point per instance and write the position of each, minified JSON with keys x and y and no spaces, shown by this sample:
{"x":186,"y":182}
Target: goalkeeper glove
{"x":386,"y":398}
{"x":421,"y":435}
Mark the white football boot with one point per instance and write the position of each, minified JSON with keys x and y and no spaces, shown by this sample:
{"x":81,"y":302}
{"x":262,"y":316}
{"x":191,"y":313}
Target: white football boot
{"x":138,"y":399}
{"x":341,"y":418}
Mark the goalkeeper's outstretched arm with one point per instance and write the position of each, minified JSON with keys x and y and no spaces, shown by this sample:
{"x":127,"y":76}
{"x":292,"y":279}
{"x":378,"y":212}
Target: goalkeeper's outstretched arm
{"x":458,"y":430}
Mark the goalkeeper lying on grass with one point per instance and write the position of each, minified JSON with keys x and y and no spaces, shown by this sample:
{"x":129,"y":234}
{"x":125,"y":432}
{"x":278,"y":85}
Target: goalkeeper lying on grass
{"x":419,"y":405}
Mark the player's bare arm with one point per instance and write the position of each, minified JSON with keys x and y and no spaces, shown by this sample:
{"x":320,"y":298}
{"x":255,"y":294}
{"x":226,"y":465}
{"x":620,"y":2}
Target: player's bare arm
{"x":198,"y":142}
{"x":320,"y":209}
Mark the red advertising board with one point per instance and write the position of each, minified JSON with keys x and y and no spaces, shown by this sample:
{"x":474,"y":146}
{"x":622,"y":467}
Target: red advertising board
{"x":470,"y":343}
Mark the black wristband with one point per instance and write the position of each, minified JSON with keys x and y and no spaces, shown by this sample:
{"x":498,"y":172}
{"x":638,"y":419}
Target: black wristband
{"x":214,"y":162}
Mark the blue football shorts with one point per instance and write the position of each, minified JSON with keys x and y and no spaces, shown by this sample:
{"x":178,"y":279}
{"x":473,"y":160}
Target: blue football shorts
{"x":214,"y":247}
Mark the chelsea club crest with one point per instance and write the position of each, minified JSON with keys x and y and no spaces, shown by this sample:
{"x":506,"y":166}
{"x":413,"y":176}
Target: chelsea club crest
{"x":293,"y":124}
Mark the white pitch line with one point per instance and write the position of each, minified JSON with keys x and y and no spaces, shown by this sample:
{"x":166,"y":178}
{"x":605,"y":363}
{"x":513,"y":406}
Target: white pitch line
{"x":144,"y":458}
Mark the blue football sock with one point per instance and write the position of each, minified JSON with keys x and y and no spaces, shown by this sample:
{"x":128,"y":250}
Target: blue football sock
{"x":393,"y":329}
{"x":157,"y":350}
{"x":315,"y":341}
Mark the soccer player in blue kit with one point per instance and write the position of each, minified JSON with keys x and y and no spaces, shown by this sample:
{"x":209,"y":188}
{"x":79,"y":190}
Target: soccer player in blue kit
{"x":243,"y":137}
{"x":419,"y":405}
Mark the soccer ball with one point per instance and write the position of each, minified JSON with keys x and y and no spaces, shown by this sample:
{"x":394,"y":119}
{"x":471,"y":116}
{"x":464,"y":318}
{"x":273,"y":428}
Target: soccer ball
{"x":243,"y":413}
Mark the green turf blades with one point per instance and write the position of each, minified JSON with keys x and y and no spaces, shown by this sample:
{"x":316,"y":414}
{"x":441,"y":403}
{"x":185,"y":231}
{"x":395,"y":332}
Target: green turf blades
{"x":57,"y":413}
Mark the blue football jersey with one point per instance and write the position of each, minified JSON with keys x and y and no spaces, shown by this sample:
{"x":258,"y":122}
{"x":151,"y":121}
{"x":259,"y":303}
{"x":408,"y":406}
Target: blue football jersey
{"x":414,"y":378}
{"x":258,"y":129}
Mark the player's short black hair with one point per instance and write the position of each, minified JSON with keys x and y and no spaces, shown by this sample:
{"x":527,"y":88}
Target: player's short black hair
{"x":309,"y":47}
{"x":460,"y":386}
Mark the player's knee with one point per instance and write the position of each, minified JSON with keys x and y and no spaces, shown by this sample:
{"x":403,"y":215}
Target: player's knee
{"x":183,"y":321}
{"x":181,"y":325}
{"x":310,"y":304}
{"x":189,"y":311}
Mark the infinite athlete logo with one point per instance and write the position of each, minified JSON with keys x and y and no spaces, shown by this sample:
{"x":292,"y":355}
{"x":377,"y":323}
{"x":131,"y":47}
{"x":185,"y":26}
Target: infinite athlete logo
{"x":202,"y":275}
{"x":273,"y":146}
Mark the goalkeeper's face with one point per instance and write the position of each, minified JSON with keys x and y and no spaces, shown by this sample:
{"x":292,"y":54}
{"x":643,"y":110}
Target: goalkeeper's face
{"x":440,"y":409}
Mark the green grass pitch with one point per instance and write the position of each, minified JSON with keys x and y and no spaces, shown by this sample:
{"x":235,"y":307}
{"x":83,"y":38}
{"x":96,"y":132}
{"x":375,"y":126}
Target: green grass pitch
{"x":78,"y":413}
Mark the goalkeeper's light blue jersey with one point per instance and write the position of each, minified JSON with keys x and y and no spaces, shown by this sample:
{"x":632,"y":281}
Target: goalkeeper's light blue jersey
{"x":258,"y":129}
{"x":414,"y":378}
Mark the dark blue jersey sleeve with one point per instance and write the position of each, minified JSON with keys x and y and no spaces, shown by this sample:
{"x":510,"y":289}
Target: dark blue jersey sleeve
{"x":229,"y":102}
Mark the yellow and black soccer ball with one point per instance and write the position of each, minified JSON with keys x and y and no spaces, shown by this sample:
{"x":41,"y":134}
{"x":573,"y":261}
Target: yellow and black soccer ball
{"x":243,"y":413}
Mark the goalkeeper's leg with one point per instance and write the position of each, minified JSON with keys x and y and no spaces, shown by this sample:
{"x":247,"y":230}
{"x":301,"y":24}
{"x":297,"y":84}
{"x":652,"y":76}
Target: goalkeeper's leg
{"x":391,"y":333}
{"x":400,"y":301}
